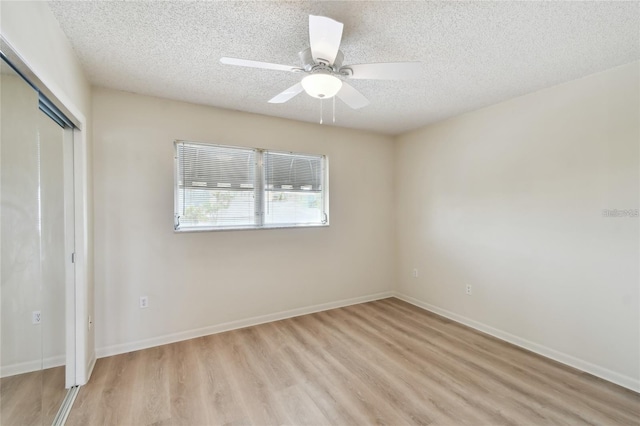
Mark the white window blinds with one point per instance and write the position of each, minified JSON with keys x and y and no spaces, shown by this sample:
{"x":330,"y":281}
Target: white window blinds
{"x":215,"y":187}
{"x":222,"y":187}
{"x":293,"y":188}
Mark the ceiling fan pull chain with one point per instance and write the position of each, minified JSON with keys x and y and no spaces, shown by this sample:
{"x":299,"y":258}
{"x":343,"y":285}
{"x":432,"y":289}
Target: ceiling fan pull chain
{"x":334,"y":110}
{"x":320,"y":111}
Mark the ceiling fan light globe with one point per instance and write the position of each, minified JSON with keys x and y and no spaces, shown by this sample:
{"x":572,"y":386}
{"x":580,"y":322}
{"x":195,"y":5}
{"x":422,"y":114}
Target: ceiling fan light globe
{"x":321,"y":86}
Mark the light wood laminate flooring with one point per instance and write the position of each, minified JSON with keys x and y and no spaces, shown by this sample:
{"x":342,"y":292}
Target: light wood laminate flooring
{"x":383,"y":362}
{"x":31,"y":398}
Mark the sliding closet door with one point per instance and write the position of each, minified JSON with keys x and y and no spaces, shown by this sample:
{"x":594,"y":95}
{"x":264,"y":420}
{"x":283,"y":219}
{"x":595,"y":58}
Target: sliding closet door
{"x":20,"y":253}
{"x":36,"y":233}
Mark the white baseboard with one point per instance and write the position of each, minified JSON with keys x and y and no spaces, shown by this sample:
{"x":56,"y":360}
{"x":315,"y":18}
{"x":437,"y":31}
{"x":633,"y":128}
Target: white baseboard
{"x":234,"y":325}
{"x":30,"y":366}
{"x":596,"y":370}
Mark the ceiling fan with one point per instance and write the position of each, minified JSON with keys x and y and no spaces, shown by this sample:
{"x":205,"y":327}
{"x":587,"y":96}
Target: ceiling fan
{"x":325,"y":73}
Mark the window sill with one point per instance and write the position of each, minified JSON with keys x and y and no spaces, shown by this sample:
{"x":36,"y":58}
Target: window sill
{"x":248,"y":228}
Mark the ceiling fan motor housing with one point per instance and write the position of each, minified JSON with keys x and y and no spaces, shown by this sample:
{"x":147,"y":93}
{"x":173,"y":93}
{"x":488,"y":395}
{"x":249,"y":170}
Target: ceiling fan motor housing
{"x":310,"y":65}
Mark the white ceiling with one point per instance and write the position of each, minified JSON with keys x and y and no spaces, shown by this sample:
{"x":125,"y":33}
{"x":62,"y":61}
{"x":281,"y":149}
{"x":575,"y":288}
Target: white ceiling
{"x":474,"y":53}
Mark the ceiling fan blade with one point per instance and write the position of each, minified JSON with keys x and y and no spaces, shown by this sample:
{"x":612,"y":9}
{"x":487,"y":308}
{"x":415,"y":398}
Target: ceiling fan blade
{"x":257,"y":64}
{"x":325,"y":35}
{"x":386,"y":71}
{"x":283,"y":97}
{"x":352,"y":97}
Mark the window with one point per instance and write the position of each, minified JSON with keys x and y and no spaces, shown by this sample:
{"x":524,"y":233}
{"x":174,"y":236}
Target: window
{"x":225,"y":187}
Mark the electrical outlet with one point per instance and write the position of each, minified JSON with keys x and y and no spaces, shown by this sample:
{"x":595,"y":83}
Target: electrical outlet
{"x":144,"y":302}
{"x":469,"y":289}
{"x":36,"y":317}
{"x":415,"y":272}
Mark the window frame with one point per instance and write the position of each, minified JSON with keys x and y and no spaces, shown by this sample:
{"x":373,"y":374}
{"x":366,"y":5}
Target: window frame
{"x":259,"y":191}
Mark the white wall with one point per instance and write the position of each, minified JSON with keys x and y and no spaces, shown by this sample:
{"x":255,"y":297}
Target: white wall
{"x":509,"y":199}
{"x":196,"y":281}
{"x":33,"y":31}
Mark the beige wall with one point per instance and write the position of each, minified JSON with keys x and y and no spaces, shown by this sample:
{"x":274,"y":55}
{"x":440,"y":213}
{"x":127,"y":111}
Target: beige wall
{"x":199,"y":280}
{"x":509,"y":199}
{"x":32,"y":30}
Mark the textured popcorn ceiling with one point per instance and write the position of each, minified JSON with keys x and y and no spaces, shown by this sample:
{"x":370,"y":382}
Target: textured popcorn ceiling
{"x":474,"y":53}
